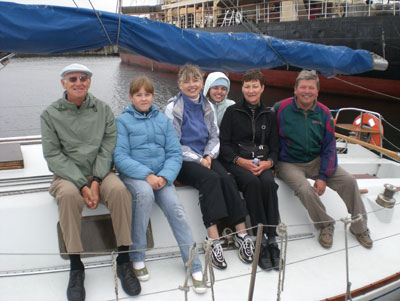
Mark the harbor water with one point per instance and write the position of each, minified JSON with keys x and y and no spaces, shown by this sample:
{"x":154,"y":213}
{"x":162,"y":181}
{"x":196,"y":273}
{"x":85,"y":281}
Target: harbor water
{"x":29,"y":84}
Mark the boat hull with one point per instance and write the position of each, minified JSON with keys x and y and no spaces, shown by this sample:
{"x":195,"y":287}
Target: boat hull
{"x":344,"y":85}
{"x":377,"y":34}
{"x":33,"y":269}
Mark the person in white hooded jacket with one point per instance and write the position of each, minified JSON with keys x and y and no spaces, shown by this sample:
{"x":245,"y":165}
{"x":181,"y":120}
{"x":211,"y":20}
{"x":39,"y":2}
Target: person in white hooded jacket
{"x":216,"y":90}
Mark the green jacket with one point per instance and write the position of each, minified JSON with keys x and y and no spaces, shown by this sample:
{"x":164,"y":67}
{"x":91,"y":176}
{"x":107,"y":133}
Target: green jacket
{"x":78,"y":142}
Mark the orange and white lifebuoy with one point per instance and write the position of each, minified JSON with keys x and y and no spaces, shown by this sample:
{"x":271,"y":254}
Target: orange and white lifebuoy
{"x":369,"y":122}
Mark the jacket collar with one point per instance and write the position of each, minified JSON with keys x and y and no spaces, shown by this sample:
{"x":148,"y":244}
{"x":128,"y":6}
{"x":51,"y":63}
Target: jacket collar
{"x":64,"y":104}
{"x":244,"y":106}
{"x":298,"y":108}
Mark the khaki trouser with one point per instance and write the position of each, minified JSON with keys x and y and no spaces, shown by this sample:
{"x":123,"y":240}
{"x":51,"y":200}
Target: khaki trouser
{"x":296,"y":174}
{"x":113,"y":194}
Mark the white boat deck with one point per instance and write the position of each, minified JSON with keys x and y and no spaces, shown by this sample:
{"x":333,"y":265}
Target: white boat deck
{"x":28,"y":230}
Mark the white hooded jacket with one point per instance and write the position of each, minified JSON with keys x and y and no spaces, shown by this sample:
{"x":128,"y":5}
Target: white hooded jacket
{"x":220,"y":107}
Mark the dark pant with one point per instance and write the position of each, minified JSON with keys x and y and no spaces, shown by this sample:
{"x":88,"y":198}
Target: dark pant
{"x":260,"y":193}
{"x":218,"y":194}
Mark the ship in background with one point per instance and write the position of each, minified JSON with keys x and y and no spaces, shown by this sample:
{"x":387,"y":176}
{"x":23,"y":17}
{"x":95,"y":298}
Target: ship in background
{"x":371,"y":25}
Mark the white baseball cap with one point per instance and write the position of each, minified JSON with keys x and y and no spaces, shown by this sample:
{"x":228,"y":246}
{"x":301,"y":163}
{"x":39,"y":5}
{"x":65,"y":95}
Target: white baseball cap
{"x":76,"y":68}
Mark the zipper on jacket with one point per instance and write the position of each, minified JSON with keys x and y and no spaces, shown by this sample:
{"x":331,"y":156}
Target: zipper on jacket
{"x":253,"y":120}
{"x":307,"y":132}
{"x":253,"y":124}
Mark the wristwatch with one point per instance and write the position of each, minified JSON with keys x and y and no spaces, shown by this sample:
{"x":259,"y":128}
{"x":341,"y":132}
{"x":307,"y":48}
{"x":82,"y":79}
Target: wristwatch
{"x":272,"y":162}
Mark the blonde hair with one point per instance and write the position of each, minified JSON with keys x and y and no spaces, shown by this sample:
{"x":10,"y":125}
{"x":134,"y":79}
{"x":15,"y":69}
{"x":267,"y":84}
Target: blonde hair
{"x":139,"y":82}
{"x":187,"y":71}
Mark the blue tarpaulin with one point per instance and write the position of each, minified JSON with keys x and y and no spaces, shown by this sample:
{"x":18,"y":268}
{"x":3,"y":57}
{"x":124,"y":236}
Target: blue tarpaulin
{"x":45,"y":29}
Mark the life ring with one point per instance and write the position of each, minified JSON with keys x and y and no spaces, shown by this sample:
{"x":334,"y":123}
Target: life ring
{"x":369,"y":122}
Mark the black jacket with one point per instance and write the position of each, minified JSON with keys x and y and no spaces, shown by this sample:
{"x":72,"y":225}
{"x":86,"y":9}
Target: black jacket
{"x":239,"y":127}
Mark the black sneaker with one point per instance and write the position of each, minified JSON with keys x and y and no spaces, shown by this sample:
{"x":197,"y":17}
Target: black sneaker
{"x":264,"y":261}
{"x":129,"y":282}
{"x":76,"y":288}
{"x":246,"y":248}
{"x":275,"y":254}
{"x":217,"y":256}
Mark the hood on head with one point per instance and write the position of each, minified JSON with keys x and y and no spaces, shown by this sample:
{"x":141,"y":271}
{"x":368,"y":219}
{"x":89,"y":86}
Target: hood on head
{"x":213,"y":77}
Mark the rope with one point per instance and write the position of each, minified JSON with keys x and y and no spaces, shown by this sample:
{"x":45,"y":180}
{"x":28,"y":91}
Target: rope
{"x":283,"y":235}
{"x":192,"y":255}
{"x":114,"y":265}
{"x":101,"y":23}
{"x":364,"y":88}
{"x":119,"y":20}
{"x":169,"y":247}
{"x":208,"y":268}
{"x":282,"y":231}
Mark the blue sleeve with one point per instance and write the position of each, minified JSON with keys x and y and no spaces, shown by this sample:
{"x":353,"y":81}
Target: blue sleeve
{"x":173,"y":154}
{"x":122,"y":158}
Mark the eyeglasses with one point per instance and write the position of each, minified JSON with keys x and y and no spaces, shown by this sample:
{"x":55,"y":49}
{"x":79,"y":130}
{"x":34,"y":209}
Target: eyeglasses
{"x":73,"y":79}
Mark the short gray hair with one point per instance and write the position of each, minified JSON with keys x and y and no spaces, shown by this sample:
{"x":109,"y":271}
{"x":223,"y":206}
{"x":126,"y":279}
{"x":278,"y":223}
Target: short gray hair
{"x":307,"y":75}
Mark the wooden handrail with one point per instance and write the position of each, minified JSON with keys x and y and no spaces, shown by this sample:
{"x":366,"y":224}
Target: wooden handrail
{"x":353,"y":128}
{"x":389,"y":153}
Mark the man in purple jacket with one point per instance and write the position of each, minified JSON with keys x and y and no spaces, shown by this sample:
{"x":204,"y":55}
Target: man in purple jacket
{"x":307,"y":150}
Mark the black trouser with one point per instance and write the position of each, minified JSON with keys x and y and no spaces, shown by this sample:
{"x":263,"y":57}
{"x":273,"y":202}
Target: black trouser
{"x":260,"y":193}
{"x":218,"y":194}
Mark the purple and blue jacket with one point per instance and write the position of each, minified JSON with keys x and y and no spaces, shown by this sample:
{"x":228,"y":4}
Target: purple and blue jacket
{"x":306,"y":135}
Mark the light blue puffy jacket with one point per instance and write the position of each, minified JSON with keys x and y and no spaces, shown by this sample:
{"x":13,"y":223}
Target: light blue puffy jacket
{"x":147,"y":144}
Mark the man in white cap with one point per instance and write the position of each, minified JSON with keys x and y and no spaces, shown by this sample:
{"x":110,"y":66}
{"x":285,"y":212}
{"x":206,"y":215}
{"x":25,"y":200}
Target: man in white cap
{"x":78,"y":136}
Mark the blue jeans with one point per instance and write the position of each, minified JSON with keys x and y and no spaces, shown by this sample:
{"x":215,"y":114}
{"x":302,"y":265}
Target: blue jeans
{"x":143,"y":199}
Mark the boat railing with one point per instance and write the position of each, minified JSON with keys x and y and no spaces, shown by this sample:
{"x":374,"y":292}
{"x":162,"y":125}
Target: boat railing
{"x":364,"y":127}
{"x":204,"y":14}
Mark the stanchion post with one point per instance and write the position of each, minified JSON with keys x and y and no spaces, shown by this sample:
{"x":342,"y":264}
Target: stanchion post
{"x":255,"y":261}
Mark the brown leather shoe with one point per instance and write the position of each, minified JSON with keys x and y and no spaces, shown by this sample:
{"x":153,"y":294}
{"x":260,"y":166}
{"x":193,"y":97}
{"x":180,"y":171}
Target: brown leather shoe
{"x":326,"y":236}
{"x":364,"y":238}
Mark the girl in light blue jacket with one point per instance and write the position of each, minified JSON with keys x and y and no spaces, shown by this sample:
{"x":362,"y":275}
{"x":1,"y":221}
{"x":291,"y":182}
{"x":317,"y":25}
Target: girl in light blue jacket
{"x":148,"y":157}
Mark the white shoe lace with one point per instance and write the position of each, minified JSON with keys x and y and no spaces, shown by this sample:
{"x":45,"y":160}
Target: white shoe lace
{"x":248,"y":246}
{"x":218,"y":253}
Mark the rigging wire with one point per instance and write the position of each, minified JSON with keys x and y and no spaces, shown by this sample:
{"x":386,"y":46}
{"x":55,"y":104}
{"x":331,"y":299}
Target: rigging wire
{"x":394,"y":127}
{"x":391,"y":143}
{"x":364,"y":88}
{"x":101,"y":22}
{"x":255,"y":29}
{"x":119,"y":3}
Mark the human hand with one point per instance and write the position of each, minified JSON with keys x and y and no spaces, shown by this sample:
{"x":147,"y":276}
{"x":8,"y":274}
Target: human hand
{"x":161,"y":183}
{"x":248,"y":164}
{"x":262,"y":166}
{"x":88,"y":198}
{"x":206,"y":161}
{"x":153,"y":181}
{"x":95,"y":189}
{"x":319,"y":186}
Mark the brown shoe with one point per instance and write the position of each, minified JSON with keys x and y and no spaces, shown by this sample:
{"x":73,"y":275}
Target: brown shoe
{"x":326,"y":236}
{"x":364,"y":238}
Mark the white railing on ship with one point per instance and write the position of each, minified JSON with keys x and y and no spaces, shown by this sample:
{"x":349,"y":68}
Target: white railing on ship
{"x":274,"y":11}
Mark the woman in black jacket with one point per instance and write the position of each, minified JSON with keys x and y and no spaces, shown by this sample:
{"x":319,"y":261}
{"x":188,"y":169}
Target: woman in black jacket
{"x":249,"y":148}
